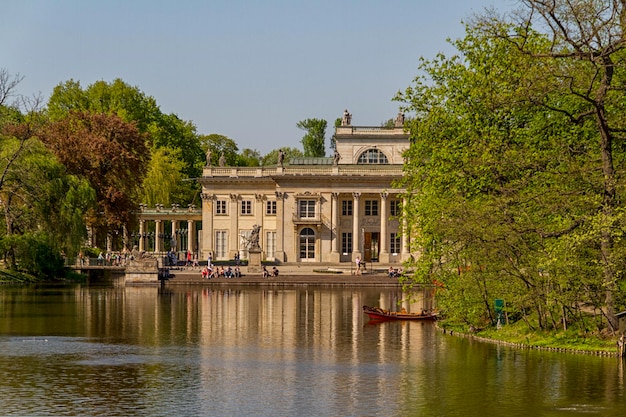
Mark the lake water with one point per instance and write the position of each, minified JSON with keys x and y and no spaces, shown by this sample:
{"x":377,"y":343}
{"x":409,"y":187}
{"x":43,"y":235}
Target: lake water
{"x":308,"y":351}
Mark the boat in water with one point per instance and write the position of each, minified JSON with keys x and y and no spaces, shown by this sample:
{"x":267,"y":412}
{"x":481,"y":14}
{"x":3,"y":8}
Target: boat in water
{"x":377,"y":313}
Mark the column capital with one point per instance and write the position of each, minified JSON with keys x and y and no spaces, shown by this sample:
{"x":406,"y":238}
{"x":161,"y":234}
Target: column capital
{"x":384,"y":195}
{"x":356,"y":195}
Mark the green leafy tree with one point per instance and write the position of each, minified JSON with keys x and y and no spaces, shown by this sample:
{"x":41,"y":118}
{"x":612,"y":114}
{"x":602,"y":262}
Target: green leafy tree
{"x":509,"y":194}
{"x":313,"y":141}
{"x":130,"y":104}
{"x":164,"y":183}
{"x":43,"y":209}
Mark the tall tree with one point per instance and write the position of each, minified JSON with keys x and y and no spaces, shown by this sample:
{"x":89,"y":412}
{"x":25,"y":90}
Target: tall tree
{"x":585,"y":67}
{"x":313,"y":141}
{"x":110,"y":153}
{"x":511,"y":182}
{"x":164,"y":183}
{"x":130,"y":104}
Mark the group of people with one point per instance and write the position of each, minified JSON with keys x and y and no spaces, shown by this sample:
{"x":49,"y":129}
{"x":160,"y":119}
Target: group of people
{"x":272,"y":273}
{"x":110,"y":258}
{"x":209,"y":272}
{"x":394,"y":273}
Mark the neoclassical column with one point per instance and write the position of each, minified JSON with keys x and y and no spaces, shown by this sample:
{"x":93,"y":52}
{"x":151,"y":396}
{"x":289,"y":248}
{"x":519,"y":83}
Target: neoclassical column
{"x":142,"y":229}
{"x":280,"y":225}
{"x":234,"y":225}
{"x":207,"y":225}
{"x":158,"y":229}
{"x":384,"y":252}
{"x":191,"y":236}
{"x":258,"y":210}
{"x":356,"y":233}
{"x":174,"y":235}
{"x":405,"y":232}
{"x":334,"y":219}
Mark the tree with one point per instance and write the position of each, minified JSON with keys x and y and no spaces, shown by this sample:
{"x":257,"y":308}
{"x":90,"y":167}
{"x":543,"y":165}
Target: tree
{"x":132,"y":105}
{"x":313,"y":141}
{"x":8,"y":85}
{"x":585,"y":68}
{"x":164,"y":183}
{"x":506,"y":184}
{"x":43,"y":208}
{"x":110,"y":153}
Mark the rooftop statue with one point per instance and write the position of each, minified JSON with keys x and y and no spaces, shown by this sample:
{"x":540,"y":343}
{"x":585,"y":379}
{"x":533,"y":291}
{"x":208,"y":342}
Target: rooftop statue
{"x":281,"y":157}
{"x":347,"y":118}
{"x":400,"y":119}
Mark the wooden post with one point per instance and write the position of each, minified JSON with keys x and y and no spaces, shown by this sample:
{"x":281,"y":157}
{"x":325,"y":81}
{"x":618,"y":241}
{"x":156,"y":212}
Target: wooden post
{"x":620,"y":346}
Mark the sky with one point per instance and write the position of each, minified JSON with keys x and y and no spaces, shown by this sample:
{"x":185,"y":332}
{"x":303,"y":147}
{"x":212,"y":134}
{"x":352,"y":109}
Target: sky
{"x":249,"y":70}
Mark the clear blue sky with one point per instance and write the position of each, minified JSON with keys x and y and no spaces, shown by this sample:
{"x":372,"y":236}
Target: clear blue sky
{"x":249,"y":70}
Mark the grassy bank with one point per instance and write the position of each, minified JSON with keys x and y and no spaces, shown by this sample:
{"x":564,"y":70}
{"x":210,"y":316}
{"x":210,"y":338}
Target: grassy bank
{"x":518,"y":334}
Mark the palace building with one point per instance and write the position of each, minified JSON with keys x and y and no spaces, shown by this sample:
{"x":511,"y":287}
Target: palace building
{"x":321,"y":210}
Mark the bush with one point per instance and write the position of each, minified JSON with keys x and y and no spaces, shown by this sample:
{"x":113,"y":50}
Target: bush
{"x":35,"y":255}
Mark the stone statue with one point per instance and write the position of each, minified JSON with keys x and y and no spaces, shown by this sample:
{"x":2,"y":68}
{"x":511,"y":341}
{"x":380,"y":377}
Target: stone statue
{"x":400,"y":119}
{"x":281,"y":157}
{"x":253,"y":241}
{"x":222,"y":160}
{"x":347,"y":118}
{"x":336,"y":158}
{"x":208,"y":157}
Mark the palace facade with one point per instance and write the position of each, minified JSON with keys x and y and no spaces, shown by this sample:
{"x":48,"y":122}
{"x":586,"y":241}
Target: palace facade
{"x":322,"y":210}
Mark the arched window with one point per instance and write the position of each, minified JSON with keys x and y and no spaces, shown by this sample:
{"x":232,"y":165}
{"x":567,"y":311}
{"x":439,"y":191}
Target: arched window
{"x":307,"y":243}
{"x":373,"y":156}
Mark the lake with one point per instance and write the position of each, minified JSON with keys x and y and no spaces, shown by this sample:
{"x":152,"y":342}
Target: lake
{"x":255,"y":351}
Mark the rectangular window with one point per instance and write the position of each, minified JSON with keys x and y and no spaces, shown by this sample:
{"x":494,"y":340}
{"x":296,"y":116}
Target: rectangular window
{"x":220,"y":207}
{"x":270,"y":208}
{"x":246,"y":207}
{"x":306,"y":208}
{"x":221,"y":244}
{"x":371,"y":207}
{"x":394,"y":243}
{"x":346,"y":243}
{"x":346,"y":207}
{"x":395,"y":209}
{"x":270,"y":245}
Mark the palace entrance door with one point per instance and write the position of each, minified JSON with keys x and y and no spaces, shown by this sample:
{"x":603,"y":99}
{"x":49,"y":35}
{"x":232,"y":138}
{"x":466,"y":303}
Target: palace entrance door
{"x":371,"y":246}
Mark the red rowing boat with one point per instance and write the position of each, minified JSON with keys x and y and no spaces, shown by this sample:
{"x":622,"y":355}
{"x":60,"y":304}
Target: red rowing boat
{"x":377,"y":313}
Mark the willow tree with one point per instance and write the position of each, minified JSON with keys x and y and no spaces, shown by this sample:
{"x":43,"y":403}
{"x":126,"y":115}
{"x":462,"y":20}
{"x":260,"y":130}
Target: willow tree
{"x":512,"y":171}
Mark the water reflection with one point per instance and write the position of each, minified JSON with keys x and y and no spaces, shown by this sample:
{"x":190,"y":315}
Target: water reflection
{"x":256,"y":351}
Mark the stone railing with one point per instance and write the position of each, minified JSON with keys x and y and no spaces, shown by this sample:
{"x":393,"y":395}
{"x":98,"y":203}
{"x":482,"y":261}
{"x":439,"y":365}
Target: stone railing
{"x":305,"y":170}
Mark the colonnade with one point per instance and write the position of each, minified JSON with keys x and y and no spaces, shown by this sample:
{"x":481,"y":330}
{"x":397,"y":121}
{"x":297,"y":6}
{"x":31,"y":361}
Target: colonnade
{"x":175,"y":239}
